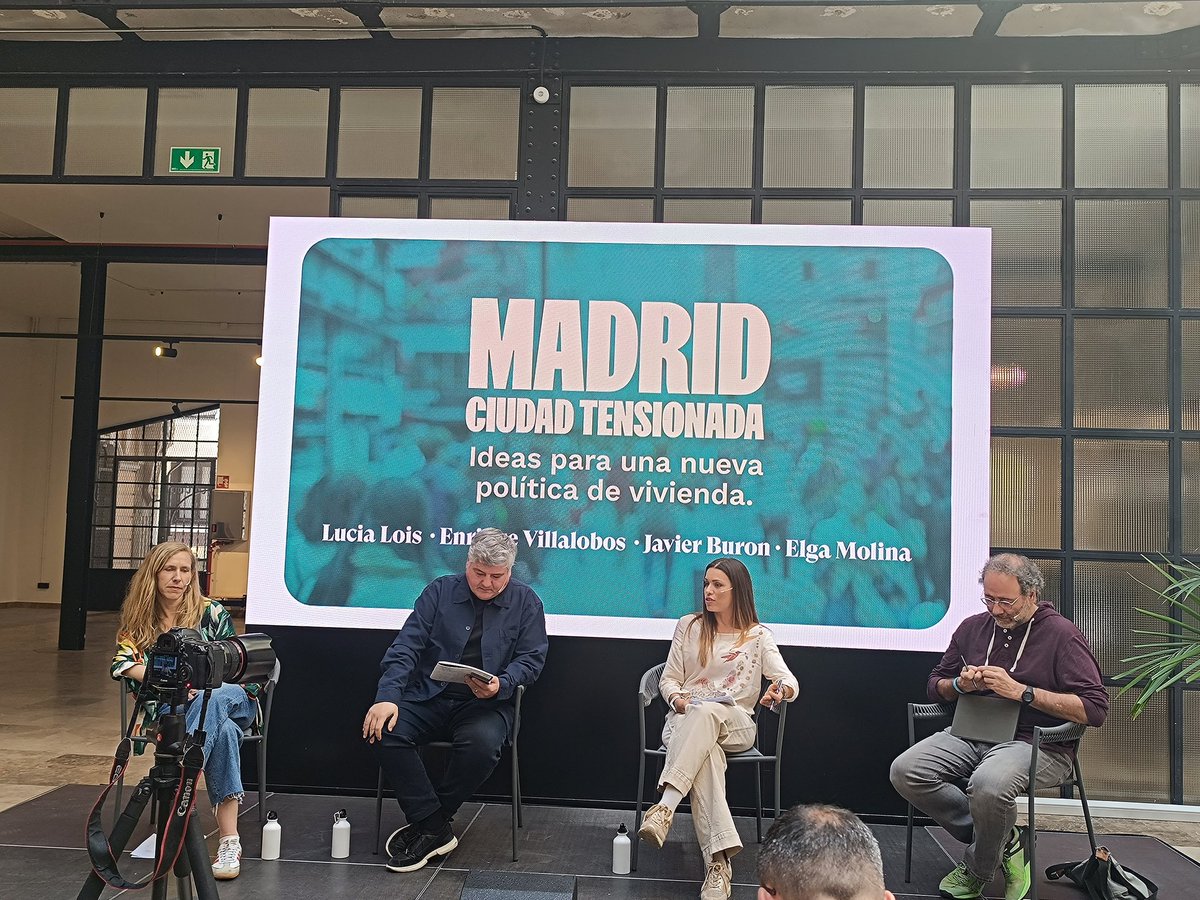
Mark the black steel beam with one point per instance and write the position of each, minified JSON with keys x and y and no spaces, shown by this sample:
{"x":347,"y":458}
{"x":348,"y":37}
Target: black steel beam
{"x":81,"y":465}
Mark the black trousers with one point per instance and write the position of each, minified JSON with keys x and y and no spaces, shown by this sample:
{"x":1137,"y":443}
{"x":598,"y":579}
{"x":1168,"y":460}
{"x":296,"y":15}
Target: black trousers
{"x":476,"y":728}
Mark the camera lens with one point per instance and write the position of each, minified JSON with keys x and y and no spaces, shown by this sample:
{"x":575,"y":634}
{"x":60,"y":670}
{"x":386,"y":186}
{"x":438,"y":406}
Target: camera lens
{"x":248,"y":658}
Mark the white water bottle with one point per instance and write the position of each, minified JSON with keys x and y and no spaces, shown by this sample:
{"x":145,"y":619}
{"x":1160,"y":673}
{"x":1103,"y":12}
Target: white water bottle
{"x":341,"y":835}
{"x":621,"y":847}
{"x":270,"y":837}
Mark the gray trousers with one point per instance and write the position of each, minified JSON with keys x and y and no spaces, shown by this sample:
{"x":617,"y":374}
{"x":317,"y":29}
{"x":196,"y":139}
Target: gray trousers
{"x":931,"y":776}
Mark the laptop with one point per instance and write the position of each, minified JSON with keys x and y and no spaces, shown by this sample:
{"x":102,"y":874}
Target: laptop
{"x":988,"y":720}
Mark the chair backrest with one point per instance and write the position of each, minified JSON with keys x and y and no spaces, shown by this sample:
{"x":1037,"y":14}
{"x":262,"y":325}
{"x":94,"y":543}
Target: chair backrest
{"x":266,"y":698}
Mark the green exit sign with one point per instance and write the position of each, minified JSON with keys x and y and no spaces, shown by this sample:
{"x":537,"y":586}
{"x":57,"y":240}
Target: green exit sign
{"x":195,"y":160}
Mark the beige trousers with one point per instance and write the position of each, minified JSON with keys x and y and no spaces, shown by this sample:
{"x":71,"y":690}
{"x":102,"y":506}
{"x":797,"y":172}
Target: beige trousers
{"x":697,"y":742}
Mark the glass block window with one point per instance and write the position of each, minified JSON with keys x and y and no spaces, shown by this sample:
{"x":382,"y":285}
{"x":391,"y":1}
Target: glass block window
{"x":154,"y":483}
{"x":1191,"y":497}
{"x":469,"y":208}
{"x":379,"y":133}
{"x":1189,"y":124}
{"x":287,"y":132}
{"x":1190,"y":214}
{"x":1189,"y":364}
{"x":1121,"y":373}
{"x":909,"y":137}
{"x":195,"y":117}
{"x":1026,"y":250}
{"x":806,"y":212}
{"x":908,"y":212}
{"x":610,"y":209}
{"x":1052,"y":571}
{"x":1016,"y":135}
{"x":1191,"y":747}
{"x":378,"y":207}
{"x":1027,"y":492}
{"x":474,"y":133}
{"x":1106,"y":594}
{"x":1121,"y":135}
{"x":701,"y":210}
{"x":1121,"y":495}
{"x":1122,"y":249}
{"x":709,"y":136}
{"x":27,"y":120}
{"x":808,"y":136}
{"x":1027,"y":372}
{"x":106,"y":131}
{"x":612,"y":132}
{"x":1129,"y":758}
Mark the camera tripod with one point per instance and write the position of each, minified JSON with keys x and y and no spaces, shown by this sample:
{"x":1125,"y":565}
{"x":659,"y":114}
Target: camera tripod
{"x":171,"y":786}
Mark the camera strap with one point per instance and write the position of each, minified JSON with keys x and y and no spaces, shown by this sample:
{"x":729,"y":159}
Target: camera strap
{"x":173,"y":830}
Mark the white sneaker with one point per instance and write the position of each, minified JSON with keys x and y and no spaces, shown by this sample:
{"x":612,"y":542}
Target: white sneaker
{"x":229,"y":859}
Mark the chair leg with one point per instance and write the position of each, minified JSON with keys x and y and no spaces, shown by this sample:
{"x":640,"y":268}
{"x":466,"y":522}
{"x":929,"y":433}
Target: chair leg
{"x":262,"y":780}
{"x":778,"y":792}
{"x":378,"y":812}
{"x":1031,"y":849}
{"x":516,"y":803}
{"x":517,"y":798}
{"x":1087,"y":813}
{"x":908,"y":839}
{"x":758,"y":801}
{"x":637,"y":817}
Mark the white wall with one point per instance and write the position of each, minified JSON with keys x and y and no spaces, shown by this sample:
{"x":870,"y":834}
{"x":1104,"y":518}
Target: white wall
{"x":35,"y":433}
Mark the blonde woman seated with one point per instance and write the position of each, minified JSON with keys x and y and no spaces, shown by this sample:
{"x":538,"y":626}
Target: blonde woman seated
{"x":718,"y":659}
{"x":162,"y":595}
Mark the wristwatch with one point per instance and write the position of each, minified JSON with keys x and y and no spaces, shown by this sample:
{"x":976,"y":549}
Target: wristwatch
{"x":1027,"y":697}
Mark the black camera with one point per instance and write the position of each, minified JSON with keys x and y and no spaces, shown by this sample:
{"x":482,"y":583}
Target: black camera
{"x":182,"y":660}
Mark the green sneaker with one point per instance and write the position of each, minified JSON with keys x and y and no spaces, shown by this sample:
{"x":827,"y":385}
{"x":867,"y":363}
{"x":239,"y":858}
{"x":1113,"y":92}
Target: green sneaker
{"x":1015,"y":864}
{"x":962,"y":885}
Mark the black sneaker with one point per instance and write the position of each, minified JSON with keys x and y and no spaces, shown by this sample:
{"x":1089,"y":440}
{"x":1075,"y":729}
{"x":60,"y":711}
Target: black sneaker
{"x":397,"y":841}
{"x":422,"y":848}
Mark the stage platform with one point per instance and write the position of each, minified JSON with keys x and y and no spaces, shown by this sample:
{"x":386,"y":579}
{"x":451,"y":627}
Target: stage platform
{"x":42,"y":855}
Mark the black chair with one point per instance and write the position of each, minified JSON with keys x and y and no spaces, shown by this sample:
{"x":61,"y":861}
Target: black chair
{"x":648,"y":694}
{"x":256,"y":734}
{"x":1060,"y":734}
{"x":511,"y":743}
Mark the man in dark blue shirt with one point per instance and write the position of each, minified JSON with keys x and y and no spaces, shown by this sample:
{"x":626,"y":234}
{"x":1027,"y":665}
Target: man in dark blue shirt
{"x":482,"y":618}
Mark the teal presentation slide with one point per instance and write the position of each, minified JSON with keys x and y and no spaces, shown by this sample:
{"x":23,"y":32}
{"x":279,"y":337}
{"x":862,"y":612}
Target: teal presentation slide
{"x":628,"y":411}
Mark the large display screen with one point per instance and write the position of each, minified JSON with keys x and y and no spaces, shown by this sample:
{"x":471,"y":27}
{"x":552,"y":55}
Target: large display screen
{"x":628,"y":402}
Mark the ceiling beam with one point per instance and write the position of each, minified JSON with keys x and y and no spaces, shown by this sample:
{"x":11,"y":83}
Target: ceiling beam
{"x":993,"y":15}
{"x":371,"y":15}
{"x":108,"y":17}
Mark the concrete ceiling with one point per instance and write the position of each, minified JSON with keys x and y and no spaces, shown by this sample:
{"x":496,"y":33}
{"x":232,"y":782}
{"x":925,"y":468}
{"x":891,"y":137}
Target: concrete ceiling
{"x":223,"y":20}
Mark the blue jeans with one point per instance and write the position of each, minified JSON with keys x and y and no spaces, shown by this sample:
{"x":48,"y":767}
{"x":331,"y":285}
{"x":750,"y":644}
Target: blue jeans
{"x":230,"y":710}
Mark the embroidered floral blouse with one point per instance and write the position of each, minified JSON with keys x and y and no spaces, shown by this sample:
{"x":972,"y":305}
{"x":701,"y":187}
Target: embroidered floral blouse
{"x":215,"y":624}
{"x":736,"y":667}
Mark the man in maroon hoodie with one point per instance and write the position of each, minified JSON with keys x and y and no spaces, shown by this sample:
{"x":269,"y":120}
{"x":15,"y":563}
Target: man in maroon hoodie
{"x":1025,"y":651}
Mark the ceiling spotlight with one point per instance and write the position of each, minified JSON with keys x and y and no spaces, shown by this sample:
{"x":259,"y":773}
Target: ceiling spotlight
{"x":175,"y":408}
{"x":258,"y":358}
{"x":168,"y":351}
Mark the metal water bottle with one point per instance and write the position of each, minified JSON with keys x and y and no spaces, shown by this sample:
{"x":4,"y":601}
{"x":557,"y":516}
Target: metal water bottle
{"x":270,"y":836}
{"x":621,"y":847}
{"x":341,"y":835}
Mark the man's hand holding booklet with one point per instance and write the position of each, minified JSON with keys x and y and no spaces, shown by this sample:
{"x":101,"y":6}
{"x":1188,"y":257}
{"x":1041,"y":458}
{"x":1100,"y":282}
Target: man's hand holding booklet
{"x":452,"y":671}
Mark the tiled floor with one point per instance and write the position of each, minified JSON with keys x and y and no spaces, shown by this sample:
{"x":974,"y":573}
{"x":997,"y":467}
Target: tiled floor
{"x":59,"y":717}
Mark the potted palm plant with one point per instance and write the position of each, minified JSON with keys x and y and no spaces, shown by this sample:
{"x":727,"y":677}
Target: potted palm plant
{"x":1174,"y":653}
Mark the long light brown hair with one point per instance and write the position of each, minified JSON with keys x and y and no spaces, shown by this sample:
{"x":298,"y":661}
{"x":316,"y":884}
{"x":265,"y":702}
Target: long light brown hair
{"x":744,"y":615}
{"x":141,"y":616}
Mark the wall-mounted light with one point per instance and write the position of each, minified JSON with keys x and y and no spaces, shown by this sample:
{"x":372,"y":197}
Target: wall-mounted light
{"x":258,"y":358}
{"x":168,"y":351}
{"x":175,"y":408}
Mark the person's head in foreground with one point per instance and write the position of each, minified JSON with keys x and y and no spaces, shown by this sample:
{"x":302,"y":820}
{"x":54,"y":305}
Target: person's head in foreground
{"x":818,"y":852}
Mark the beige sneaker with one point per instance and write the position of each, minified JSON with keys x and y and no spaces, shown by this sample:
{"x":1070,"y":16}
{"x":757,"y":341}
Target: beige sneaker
{"x":656,"y":825}
{"x":719,"y":882}
{"x":229,"y":859}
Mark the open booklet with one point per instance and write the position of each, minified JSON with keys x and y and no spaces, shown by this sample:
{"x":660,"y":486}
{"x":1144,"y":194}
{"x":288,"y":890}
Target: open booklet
{"x":452,"y":671}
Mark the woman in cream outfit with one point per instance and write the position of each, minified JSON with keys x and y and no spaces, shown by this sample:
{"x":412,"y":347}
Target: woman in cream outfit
{"x":718,"y":659}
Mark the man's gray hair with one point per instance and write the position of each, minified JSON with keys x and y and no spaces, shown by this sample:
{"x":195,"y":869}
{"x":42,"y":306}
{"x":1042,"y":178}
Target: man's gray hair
{"x":818,"y":851}
{"x":492,"y":547}
{"x":1025,"y":570}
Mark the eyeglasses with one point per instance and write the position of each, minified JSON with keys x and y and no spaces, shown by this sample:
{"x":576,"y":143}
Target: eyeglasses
{"x":1002,"y":602}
